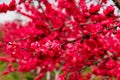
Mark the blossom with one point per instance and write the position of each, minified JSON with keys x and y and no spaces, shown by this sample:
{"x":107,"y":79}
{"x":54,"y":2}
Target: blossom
{"x":3,"y":8}
{"x":66,"y":39}
{"x":12,"y":5}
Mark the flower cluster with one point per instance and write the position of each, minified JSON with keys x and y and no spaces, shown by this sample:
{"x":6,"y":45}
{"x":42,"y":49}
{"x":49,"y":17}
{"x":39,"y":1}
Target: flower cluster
{"x":65,"y":39}
{"x":11,"y":7}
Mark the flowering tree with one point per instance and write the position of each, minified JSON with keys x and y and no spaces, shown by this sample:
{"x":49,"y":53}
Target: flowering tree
{"x":63,"y":38}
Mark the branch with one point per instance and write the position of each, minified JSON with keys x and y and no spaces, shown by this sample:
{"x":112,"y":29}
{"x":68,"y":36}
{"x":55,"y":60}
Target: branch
{"x":84,"y":36}
{"x":57,"y":72}
{"x":49,"y":21}
{"x":117,"y":3}
{"x":48,"y":75}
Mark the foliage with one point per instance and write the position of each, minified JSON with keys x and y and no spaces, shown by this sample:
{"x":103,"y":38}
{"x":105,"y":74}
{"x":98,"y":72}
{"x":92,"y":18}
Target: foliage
{"x":63,"y":40}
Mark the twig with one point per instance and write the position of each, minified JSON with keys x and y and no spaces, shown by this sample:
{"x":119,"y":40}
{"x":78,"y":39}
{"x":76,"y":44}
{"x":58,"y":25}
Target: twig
{"x":83,"y":37}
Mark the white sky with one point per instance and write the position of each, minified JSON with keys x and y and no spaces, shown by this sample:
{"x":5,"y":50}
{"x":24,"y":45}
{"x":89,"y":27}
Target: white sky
{"x":6,"y":1}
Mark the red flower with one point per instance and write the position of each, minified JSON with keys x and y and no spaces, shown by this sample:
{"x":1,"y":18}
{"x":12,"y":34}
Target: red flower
{"x":94,"y":8}
{"x":12,"y":5}
{"x":3,"y":8}
{"x":109,"y":10}
{"x":104,"y":1}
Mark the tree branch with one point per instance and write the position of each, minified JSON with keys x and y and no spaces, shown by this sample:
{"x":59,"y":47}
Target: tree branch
{"x":117,"y":3}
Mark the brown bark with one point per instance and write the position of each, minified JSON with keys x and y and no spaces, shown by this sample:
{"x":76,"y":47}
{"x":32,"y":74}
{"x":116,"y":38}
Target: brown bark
{"x":117,"y":3}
